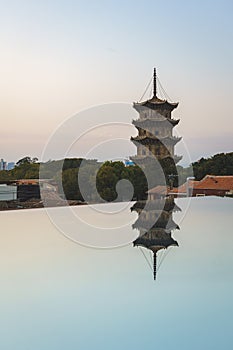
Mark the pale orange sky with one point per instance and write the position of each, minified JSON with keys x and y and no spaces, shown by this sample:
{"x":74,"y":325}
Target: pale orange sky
{"x":60,"y":58}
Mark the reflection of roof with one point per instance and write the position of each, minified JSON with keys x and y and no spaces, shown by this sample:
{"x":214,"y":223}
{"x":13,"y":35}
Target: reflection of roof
{"x":155,"y":243}
{"x":213,"y":182}
{"x":155,"y":222}
{"x":166,"y":204}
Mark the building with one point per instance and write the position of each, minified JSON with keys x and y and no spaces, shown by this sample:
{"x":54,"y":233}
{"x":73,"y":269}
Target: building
{"x":155,"y":129}
{"x":8,"y":193}
{"x":212,"y":185}
{"x":26,"y":189}
{"x":155,"y":225}
{"x":3,"y":165}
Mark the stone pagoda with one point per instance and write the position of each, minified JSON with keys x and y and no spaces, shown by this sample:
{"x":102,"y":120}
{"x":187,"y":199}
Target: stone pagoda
{"x":155,"y":227}
{"x":155,"y":129}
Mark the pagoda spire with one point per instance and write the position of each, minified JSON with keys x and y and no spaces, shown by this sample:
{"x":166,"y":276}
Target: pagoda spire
{"x":155,"y":84}
{"x":155,"y":265}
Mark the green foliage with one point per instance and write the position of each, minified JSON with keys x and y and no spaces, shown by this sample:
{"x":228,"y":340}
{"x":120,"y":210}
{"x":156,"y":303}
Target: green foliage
{"x":112,"y":172}
{"x":106,"y":181}
{"x":70,"y":184}
{"x":219,"y":164}
{"x":27,"y":160}
{"x":79,"y":173}
{"x":72,"y":163}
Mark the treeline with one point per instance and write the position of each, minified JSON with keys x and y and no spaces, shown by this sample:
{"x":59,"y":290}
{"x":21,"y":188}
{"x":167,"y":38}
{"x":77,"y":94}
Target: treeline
{"x":78,"y":178}
{"x":93,"y":174}
{"x":26,"y":168}
{"x":219,"y":164}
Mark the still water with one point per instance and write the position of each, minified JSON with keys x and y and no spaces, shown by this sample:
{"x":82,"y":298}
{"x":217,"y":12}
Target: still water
{"x":57,"y":294}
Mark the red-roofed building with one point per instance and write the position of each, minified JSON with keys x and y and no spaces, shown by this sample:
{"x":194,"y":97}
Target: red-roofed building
{"x":158,"y":192}
{"x":212,"y":185}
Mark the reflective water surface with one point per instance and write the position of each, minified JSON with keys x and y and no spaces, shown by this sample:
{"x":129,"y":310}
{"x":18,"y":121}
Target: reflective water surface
{"x":57,"y":294}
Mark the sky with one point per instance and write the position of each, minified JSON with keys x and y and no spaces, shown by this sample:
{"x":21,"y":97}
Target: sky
{"x":62,"y":57}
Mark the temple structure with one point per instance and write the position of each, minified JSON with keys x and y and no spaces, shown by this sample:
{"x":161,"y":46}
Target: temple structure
{"x":155,"y":129}
{"x":155,"y":225}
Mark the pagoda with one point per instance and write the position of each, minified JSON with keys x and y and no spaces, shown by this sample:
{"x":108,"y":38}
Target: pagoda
{"x":155,"y":129}
{"x":155,"y":225}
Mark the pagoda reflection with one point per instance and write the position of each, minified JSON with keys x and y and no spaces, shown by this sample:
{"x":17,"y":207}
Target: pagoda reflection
{"x":155,"y":224}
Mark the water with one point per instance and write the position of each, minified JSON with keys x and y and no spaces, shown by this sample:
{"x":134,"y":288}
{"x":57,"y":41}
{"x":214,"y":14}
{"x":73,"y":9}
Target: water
{"x":56,"y":294}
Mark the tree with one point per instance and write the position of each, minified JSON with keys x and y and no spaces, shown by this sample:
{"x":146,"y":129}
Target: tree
{"x":106,"y":183}
{"x":219,"y":164}
{"x":25,"y":160}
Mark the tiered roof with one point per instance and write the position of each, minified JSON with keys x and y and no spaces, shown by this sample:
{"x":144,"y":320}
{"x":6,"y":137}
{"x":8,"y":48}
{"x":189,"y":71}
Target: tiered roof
{"x":151,"y":139}
{"x":167,"y":204}
{"x":144,"y":159}
{"x":145,"y":122}
{"x":156,"y":103}
{"x":148,"y":242}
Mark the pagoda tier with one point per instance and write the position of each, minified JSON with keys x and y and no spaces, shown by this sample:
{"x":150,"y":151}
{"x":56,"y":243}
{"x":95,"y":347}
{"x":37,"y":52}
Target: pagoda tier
{"x":155,"y":243}
{"x":147,"y":123}
{"x":168,"y":205}
{"x":155,"y":226}
{"x":151,"y":240}
{"x":150,"y":140}
{"x":161,"y":223}
{"x":155,"y":103}
{"x":143,"y":160}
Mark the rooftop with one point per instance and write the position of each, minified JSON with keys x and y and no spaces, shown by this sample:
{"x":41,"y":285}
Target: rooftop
{"x":213,"y":182}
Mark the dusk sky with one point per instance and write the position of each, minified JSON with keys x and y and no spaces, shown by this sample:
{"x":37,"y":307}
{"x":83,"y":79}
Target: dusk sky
{"x":61,"y":57}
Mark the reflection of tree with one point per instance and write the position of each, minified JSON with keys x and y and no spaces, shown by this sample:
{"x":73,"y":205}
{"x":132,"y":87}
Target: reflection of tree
{"x":155,"y":225}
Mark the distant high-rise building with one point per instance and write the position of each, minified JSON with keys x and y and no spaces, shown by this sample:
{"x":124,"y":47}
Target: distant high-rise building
{"x":3,"y":165}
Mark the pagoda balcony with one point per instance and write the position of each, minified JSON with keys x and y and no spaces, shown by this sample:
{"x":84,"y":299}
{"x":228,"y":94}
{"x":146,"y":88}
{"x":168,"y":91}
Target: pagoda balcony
{"x":168,"y":205}
{"x":152,"y":139}
{"x":153,"y":121}
{"x":153,"y":223}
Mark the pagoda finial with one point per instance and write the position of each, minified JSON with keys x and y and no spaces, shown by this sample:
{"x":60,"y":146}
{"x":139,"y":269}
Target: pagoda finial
{"x":155,"y":87}
{"x":155,"y":265}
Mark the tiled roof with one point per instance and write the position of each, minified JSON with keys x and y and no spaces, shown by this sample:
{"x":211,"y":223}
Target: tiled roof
{"x":210,"y":182}
{"x":183,"y":188}
{"x":159,"y":190}
{"x":213,"y":182}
